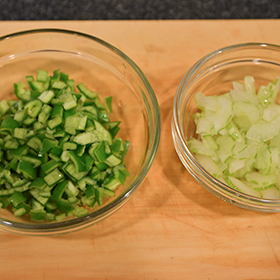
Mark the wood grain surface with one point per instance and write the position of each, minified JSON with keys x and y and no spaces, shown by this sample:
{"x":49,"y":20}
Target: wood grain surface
{"x":172,"y":228}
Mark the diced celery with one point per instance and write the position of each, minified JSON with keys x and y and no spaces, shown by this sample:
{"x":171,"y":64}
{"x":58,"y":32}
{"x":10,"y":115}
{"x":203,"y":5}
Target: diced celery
{"x":239,"y":137}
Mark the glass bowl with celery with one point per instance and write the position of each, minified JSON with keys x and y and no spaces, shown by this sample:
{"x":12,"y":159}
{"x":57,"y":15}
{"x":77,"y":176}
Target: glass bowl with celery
{"x":226,"y":124}
{"x":80,"y":127}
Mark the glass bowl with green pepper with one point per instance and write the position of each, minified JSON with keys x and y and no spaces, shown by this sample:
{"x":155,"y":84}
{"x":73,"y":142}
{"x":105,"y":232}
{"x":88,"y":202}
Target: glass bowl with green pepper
{"x":79,"y":130}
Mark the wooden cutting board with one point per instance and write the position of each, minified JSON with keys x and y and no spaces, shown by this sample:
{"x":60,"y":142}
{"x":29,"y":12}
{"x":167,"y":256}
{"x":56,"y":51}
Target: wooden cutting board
{"x":172,"y":228}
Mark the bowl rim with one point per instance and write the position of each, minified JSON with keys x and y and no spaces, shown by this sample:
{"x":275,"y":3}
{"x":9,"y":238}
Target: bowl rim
{"x":154,"y":139}
{"x":177,"y":126}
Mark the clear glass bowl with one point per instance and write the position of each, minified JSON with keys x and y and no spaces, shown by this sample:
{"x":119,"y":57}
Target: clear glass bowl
{"x":214,"y":74}
{"x":105,"y":69}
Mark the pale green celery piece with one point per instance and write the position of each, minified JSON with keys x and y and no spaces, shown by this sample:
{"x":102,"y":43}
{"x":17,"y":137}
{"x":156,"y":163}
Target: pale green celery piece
{"x":210,"y":143}
{"x":244,"y":151}
{"x":196,"y":117}
{"x":257,"y":187}
{"x":250,"y":84}
{"x":270,"y":112}
{"x":238,"y":86}
{"x":210,"y":166}
{"x":271,"y":158}
{"x":262,"y":157}
{"x":275,"y":86}
{"x":268,"y":94}
{"x":263,"y":131}
{"x":205,"y":127}
{"x":272,"y":193}
{"x":275,"y":141}
{"x":249,"y":165}
{"x":223,"y":166}
{"x":206,"y":102}
{"x":234,"y":132}
{"x":223,"y":132}
{"x":260,"y":179}
{"x":235,"y":165}
{"x":244,"y":96}
{"x":245,"y":114}
{"x":197,"y":146}
{"x":225,"y":151}
{"x":277,"y":173}
{"x":265,"y":95}
{"x":224,"y":114}
{"x":241,"y":186}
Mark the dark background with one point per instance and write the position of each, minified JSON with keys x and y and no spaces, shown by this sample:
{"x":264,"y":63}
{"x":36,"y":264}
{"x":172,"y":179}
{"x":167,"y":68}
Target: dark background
{"x":137,"y":9}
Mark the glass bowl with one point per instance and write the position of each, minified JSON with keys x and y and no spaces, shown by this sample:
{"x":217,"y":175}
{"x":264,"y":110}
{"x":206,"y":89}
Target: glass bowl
{"x":213,"y":75}
{"x":105,"y":69}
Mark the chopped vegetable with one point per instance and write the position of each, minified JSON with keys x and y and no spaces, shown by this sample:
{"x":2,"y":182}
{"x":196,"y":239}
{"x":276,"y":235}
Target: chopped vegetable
{"x":239,"y":137}
{"x":58,"y":151}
